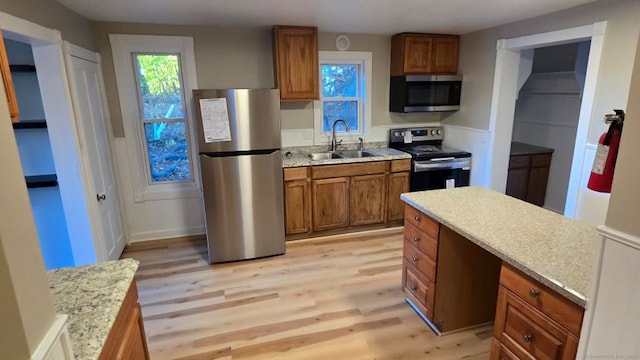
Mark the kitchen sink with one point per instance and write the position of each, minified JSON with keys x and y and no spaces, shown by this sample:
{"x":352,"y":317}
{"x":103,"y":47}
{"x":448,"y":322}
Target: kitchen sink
{"x":355,"y":153}
{"x":323,"y":156}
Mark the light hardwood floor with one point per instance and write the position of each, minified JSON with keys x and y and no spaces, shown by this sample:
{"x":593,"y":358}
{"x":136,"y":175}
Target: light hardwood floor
{"x":334,"y":300}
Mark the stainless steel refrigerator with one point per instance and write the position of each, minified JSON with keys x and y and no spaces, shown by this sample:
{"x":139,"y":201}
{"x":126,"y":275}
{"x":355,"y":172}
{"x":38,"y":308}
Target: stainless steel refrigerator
{"x":241,"y":166}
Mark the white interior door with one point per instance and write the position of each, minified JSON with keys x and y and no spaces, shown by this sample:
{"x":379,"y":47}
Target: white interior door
{"x":86,"y":88}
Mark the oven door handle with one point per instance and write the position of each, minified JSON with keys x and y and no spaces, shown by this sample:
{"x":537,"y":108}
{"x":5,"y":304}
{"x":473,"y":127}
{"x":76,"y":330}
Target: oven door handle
{"x":431,"y":166}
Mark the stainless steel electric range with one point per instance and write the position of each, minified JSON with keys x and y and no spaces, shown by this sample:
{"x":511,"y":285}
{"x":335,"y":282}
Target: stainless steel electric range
{"x":432,"y":165}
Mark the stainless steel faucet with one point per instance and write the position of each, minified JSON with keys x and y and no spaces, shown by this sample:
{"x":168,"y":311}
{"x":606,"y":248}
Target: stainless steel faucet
{"x":334,"y":143}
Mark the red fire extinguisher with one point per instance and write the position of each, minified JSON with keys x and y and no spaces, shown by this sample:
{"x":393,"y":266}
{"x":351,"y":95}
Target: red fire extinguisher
{"x":605,"y":162}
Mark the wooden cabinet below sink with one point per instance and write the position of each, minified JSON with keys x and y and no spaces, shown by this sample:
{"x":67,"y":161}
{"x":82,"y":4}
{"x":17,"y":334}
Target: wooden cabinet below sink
{"x":344,"y":196}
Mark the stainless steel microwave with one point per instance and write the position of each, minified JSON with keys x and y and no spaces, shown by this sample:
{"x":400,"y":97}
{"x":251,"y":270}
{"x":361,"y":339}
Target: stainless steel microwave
{"x":421,"y":93}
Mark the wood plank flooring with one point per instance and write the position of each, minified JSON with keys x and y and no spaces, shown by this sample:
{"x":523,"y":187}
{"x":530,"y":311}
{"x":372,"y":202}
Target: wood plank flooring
{"x":324,"y":299}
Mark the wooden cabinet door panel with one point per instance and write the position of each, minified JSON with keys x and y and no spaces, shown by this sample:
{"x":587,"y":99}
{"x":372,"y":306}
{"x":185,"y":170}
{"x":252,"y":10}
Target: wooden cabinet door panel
{"x":518,"y":183}
{"x":296,"y":52}
{"x":330,"y":203}
{"x":7,"y":81}
{"x":499,"y":352}
{"x":419,"y":289}
{"x":134,"y":342}
{"x":537,"y":186}
{"x":398,"y":184}
{"x":417,"y":54}
{"x":445,"y":55}
{"x":367,"y":199}
{"x":297,"y":206}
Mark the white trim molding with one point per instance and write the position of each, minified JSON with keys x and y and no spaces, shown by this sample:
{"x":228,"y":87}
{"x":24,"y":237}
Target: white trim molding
{"x":122,"y":46}
{"x":619,"y":236}
{"x":56,"y":343}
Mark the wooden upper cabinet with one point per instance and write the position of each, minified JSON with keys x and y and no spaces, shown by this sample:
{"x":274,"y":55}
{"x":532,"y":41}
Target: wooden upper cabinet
{"x":296,"y":62}
{"x":8,"y":82}
{"x":424,"y":54}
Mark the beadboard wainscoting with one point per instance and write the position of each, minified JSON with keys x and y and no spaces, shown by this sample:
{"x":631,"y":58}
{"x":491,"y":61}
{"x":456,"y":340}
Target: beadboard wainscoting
{"x":56,"y":344}
{"x":475,"y":141}
{"x":155,"y":219}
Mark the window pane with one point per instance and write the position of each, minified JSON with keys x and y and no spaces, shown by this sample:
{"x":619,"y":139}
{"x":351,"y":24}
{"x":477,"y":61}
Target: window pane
{"x":345,"y":110}
{"x":167,"y":150}
{"x":160,"y":85}
{"x":339,"y":80}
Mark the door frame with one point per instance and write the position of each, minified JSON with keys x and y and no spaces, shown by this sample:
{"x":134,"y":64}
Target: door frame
{"x":504,"y":100}
{"x":59,"y":113}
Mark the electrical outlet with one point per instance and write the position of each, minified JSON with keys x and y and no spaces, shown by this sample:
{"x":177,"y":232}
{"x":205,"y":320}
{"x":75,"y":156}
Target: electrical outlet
{"x":307,"y":134}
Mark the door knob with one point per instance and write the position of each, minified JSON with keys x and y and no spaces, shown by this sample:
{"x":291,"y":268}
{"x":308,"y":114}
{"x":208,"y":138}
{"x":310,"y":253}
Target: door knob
{"x":101,"y":197}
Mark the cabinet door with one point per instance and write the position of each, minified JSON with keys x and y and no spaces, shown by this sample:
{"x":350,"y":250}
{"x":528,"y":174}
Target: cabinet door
{"x":296,"y":65}
{"x":134,"y":346}
{"x":7,"y":81}
{"x":517,"y":183}
{"x":538,"y":179}
{"x":367,"y":199}
{"x":297,"y":206}
{"x":445,"y":55}
{"x":398,"y":184}
{"x":330,"y":203}
{"x":417,"y":54}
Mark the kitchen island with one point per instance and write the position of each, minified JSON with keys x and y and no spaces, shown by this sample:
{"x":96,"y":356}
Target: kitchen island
{"x":101,"y":302}
{"x":470,"y":248}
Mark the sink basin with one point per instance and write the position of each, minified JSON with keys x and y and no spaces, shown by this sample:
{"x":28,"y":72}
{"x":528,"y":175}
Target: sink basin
{"x":323,"y":156}
{"x":356,"y":153}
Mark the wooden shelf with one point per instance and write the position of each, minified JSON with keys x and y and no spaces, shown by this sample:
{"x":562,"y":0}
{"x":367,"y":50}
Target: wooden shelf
{"x":22,"y":68}
{"x":39,"y":181}
{"x":35,"y":124}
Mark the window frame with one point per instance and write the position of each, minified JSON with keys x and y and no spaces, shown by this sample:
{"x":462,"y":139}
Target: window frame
{"x":364,"y":60}
{"x":124,"y":49}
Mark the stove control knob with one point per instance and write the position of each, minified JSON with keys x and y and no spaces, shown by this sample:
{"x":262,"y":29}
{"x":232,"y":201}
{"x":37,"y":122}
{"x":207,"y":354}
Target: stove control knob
{"x":433,"y":132}
{"x":439,"y":132}
{"x":396,"y":134}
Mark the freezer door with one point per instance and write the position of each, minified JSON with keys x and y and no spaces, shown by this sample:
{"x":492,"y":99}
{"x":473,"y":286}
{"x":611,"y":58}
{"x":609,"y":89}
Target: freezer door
{"x":244,"y":207}
{"x":254,"y":119}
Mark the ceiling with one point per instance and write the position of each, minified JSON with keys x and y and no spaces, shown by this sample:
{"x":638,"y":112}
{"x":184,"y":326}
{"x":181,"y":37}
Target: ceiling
{"x":352,"y":16}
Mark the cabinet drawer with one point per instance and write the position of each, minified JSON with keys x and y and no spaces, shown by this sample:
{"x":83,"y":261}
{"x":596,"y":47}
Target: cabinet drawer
{"x":528,"y":333}
{"x":499,"y":352}
{"x":423,"y":242}
{"x":296,"y":173}
{"x":421,"y":221}
{"x":519,"y":161}
{"x":560,"y":309}
{"x":419,"y":289}
{"x":419,"y":260}
{"x":541,"y":160}
{"x":400,"y":165}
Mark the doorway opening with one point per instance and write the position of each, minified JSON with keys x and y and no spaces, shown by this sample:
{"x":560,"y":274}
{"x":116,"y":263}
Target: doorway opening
{"x":505,"y":91}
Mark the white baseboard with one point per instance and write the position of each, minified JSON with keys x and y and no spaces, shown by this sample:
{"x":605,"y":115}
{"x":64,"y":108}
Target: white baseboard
{"x":166,"y":234}
{"x":56,"y":344}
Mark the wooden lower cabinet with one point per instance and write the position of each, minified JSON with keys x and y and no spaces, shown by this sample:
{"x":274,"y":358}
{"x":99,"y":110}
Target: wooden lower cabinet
{"x":297,"y":196}
{"x":532,"y":321}
{"x":398,"y":184}
{"x":330,"y":203}
{"x":330,"y":197}
{"x":528,"y":176}
{"x":127,"y":339}
{"x":367,"y":199}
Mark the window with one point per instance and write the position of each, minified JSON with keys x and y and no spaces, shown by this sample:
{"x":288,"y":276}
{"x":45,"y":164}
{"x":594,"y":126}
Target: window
{"x":155,"y":75}
{"x":344,"y":94}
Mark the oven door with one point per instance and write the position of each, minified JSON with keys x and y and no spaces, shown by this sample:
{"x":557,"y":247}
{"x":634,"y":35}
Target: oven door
{"x":443,"y":173}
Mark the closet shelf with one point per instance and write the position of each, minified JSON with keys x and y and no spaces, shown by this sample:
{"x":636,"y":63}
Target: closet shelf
{"x":30,"y":124}
{"x":38,"y":181}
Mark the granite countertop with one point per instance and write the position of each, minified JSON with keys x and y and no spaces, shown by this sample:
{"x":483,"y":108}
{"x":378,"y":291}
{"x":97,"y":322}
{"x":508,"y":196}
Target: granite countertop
{"x":298,"y":158}
{"x":518,"y":148}
{"x":91,"y":296}
{"x":555,"y":250}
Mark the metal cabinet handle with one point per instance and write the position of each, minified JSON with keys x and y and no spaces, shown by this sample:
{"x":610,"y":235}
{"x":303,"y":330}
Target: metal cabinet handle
{"x":101,"y":197}
{"x":534,"y":293}
{"x":527,"y":338}
{"x":415,"y":238}
{"x":412,"y":288}
{"x":415,"y":259}
{"x":416,"y":218}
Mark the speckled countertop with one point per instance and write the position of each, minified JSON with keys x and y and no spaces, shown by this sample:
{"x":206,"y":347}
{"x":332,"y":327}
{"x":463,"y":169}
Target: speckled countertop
{"x":298,"y":158}
{"x":91,"y":296}
{"x":555,"y":250}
